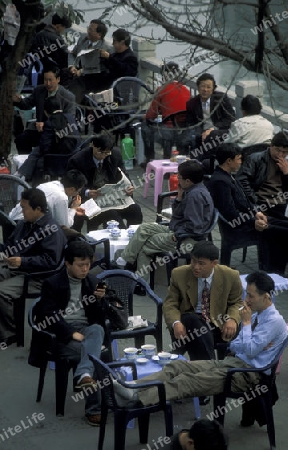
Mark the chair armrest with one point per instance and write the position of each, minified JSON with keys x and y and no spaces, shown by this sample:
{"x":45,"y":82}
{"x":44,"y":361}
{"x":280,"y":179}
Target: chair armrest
{"x":232,"y":371}
{"x":106,"y":243}
{"x":157,"y":383}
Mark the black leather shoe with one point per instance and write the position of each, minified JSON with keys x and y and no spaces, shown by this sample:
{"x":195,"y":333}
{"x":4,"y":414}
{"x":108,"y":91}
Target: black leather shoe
{"x":139,"y":290}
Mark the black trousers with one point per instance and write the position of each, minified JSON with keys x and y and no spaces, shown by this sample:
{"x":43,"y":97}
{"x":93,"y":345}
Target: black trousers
{"x":201,"y":339}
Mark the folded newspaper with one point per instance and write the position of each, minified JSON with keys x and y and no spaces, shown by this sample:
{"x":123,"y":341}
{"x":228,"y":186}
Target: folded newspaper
{"x":136,"y":322}
{"x":105,"y":96}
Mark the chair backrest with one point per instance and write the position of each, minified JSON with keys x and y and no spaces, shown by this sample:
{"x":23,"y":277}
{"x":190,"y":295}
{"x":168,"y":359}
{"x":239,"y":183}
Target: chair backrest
{"x":214,"y":221}
{"x":7,"y":225}
{"x":132,"y":92}
{"x":10,"y":191}
{"x":123,"y":283}
{"x":246,"y":151}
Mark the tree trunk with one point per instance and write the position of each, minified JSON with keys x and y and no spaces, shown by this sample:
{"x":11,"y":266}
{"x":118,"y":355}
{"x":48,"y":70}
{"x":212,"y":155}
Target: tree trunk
{"x":30,"y":15}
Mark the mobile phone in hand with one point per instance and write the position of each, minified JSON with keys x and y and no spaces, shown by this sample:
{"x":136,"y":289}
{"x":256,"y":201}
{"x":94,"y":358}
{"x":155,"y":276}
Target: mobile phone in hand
{"x":101,"y":285}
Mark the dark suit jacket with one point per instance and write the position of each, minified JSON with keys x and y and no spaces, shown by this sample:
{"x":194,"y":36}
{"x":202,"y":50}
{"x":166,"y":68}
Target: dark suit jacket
{"x":55,"y":296}
{"x":228,"y":196}
{"x":67,"y":101}
{"x":182,"y":297}
{"x":83,"y":161}
{"x":222,"y":117}
{"x":123,"y":64}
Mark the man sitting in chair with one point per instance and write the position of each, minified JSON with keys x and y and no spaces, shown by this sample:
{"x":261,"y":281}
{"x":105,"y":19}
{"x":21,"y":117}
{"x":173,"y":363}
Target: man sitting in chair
{"x":192,"y":214}
{"x":70,"y":307}
{"x":36,"y":245}
{"x":102,"y":164}
{"x":262,"y":333}
{"x":169,"y":98}
{"x":204,"y":295}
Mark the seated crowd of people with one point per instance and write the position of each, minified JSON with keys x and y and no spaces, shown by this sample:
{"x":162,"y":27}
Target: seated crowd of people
{"x":247,"y":190}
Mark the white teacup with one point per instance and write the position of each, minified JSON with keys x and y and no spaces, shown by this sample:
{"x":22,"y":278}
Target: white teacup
{"x":115,"y":233}
{"x":180,"y":159}
{"x":130,"y":232}
{"x":148,"y":350}
{"x":112,"y":224}
{"x":164,"y":357}
{"x":130,"y":352}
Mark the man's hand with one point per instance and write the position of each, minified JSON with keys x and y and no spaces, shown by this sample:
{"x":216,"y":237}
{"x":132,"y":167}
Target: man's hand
{"x":261,"y":222}
{"x":282,"y":163}
{"x":39,"y":126}
{"x":76,"y":202}
{"x":100,"y":291}
{"x":229,"y":330}
{"x":179,"y":330}
{"x":180,"y":193}
{"x":74,"y":71}
{"x":129,"y":191}
{"x":245,"y":314}
{"x":94,"y":193}
{"x":206,"y":133}
{"x":78,"y":336}
{"x":14,"y":261}
{"x":16,"y":98}
{"x":80,"y":212}
{"x":104,"y":54}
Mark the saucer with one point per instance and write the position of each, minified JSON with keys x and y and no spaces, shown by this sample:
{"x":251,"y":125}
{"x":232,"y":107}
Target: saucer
{"x":155,"y":358}
{"x":142,"y":360}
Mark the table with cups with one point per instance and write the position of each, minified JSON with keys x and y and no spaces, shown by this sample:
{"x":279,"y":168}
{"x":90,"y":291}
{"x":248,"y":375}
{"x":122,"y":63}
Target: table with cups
{"x":148,"y":362}
{"x":119,"y":238}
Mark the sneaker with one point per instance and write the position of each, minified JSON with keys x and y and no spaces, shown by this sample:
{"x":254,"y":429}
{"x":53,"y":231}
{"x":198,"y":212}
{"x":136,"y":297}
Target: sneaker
{"x":125,"y":397}
{"x":93,"y":419}
{"x":121,"y":261}
{"x":85,"y":382}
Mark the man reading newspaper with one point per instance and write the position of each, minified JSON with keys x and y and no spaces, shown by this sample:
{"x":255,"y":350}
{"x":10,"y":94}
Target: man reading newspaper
{"x":107,"y":184}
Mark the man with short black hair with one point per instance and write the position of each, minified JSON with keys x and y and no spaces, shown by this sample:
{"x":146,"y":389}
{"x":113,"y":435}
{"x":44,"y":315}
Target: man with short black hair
{"x":169,"y":98}
{"x":31,"y":137}
{"x":101,"y":164}
{"x":123,"y":62}
{"x":49,"y":44}
{"x":264,"y":177}
{"x":204,"y":280}
{"x":203,"y":435}
{"x":70,"y":307}
{"x":36,"y":245}
{"x":192,"y":214}
{"x":252,"y":128}
{"x":89,"y":65}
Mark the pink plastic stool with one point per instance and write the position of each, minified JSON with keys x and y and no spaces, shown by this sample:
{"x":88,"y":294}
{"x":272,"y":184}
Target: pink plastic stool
{"x":160,"y":167}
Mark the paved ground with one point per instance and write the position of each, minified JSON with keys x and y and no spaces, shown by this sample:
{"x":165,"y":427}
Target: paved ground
{"x":19,"y":381}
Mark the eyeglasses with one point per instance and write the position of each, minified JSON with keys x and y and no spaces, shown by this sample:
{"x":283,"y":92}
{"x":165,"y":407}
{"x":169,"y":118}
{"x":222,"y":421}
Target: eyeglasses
{"x":104,"y":152}
{"x":279,"y":150}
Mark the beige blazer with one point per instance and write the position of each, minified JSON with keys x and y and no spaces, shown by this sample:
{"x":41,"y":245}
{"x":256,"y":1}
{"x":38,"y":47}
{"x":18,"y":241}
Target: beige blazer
{"x":225,"y":294}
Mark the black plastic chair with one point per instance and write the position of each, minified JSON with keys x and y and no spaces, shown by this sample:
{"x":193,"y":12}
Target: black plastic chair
{"x":233,"y":239}
{"x":20,"y":304}
{"x":10,"y":192}
{"x":124,"y":282}
{"x":131,"y":95}
{"x":265,"y":400}
{"x":43,"y":347}
{"x":123,"y":415}
{"x":7,"y":225}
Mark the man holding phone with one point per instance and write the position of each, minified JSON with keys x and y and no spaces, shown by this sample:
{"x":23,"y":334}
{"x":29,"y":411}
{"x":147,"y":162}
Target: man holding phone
{"x":71,"y":307}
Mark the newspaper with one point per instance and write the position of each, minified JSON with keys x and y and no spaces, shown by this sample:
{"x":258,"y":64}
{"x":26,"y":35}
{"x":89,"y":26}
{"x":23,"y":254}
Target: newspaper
{"x":114,"y":195}
{"x":136,"y":322}
{"x":105,"y":96}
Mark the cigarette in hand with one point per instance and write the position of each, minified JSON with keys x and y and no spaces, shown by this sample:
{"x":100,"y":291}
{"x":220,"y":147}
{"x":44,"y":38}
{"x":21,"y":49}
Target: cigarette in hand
{"x":242,"y":307}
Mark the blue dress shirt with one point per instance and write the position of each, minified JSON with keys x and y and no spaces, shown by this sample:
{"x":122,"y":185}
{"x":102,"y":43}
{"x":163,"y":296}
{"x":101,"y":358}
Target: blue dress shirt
{"x":250,"y":346}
